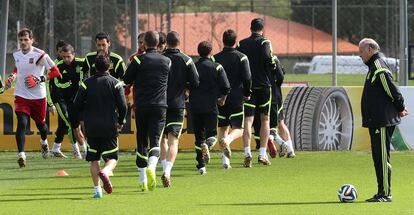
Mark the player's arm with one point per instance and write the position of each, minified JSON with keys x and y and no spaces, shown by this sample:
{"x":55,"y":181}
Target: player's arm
{"x":44,"y":60}
{"x":224,"y":84}
{"x":79,"y":102}
{"x":131,"y":71}
{"x":246,"y":76}
{"x":279,"y":73}
{"x":8,"y":82}
{"x":391,"y":90}
{"x":120,"y":69}
{"x":267,"y":53}
{"x":192,"y":74}
{"x":121,"y":102}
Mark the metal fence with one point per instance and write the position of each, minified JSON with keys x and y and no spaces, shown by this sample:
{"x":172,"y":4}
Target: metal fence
{"x":296,"y":28}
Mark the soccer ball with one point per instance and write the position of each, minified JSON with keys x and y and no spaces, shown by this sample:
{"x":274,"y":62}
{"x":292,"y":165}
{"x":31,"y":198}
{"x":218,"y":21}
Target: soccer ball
{"x":347,"y":193}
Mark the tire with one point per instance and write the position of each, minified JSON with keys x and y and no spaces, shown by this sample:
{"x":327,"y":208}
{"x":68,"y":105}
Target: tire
{"x":319,"y":118}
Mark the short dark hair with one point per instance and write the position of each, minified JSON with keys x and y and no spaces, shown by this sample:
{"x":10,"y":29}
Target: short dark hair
{"x":151,"y":39}
{"x":173,"y":38}
{"x":204,"y":48}
{"x":102,"y":62}
{"x":102,"y":35}
{"x":229,"y":37}
{"x":257,"y":24}
{"x":68,"y":48}
{"x":162,"y":38}
{"x":60,"y":44}
{"x":24,"y":32}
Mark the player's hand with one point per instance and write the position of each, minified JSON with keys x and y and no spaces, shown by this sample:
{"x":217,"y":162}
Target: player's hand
{"x":52,"y":110}
{"x":32,"y":80}
{"x":119,"y":127}
{"x":246,"y":98}
{"x":8,"y":82}
{"x":221,"y":101}
{"x":404,"y":112}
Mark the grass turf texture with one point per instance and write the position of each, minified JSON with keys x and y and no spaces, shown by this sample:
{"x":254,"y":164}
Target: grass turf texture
{"x":307,"y":184}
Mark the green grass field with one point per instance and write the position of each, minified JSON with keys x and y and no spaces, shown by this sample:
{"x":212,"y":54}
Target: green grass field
{"x":306,"y":184}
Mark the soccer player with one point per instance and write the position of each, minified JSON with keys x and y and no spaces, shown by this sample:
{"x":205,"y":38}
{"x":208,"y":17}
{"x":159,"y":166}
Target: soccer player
{"x":231,"y":114}
{"x":149,"y":73}
{"x":101,"y":98}
{"x":212,"y":90}
{"x":277,"y":123}
{"x":117,"y":65}
{"x":162,"y":44}
{"x":259,"y":51}
{"x":63,"y":90}
{"x":30,"y":90}
{"x":183,"y":73}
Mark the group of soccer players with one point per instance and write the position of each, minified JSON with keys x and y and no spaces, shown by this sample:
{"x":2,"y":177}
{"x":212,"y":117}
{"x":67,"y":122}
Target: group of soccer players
{"x":234,"y":90}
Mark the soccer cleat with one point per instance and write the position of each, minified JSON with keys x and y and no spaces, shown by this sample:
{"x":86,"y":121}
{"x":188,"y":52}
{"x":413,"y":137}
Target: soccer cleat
{"x":226,"y":148}
{"x":380,"y":198}
{"x":152,"y":182}
{"x":272,"y":148}
{"x":106,"y":182}
{"x":144,"y":187}
{"x":263,"y":160}
{"x":226,"y":166}
{"x":291,"y":155}
{"x":248,"y":162}
{"x":44,"y":149}
{"x":22,"y":162}
{"x":202,"y":170}
{"x":166,"y":180}
{"x":205,"y":153}
{"x":58,"y":154}
{"x":97,"y":195}
{"x":283,"y":149}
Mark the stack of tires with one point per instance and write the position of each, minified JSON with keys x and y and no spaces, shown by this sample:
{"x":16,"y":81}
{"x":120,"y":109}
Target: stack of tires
{"x":319,"y":118}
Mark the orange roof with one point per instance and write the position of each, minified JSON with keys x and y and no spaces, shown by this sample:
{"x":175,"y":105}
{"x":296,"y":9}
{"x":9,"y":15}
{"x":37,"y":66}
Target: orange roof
{"x":288,"y":38}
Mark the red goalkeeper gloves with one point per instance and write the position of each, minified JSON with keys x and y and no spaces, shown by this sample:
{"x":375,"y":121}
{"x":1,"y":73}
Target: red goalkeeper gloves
{"x":32,"y":81}
{"x":8,"y":82}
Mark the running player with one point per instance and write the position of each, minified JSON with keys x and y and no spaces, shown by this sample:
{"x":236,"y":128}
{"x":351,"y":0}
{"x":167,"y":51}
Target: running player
{"x":212,"y":91}
{"x":30,"y":91}
{"x":231,"y":114}
{"x":183,"y":72}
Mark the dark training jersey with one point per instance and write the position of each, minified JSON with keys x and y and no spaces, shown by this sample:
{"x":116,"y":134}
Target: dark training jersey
{"x":102,"y":100}
{"x":149,"y":73}
{"x":276,"y":79}
{"x":213,"y":84}
{"x":236,"y":65}
{"x":183,"y":73}
{"x":259,"y":51}
{"x":116,"y":68}
{"x":65,"y":87}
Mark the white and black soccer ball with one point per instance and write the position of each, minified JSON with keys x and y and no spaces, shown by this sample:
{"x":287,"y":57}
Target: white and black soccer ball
{"x":347,"y":193}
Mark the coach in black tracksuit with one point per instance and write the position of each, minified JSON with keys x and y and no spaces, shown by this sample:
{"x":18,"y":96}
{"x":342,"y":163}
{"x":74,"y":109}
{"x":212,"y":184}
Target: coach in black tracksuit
{"x":382,"y":105}
{"x":213,"y":89}
{"x":149,"y":74}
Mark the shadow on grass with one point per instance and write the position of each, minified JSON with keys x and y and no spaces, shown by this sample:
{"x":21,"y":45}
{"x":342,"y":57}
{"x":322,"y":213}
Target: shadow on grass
{"x":280,"y":203}
{"x":44,"y":199}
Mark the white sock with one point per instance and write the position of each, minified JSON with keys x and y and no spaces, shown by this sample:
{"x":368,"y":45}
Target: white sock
{"x":98,"y":189}
{"x":84,"y":147}
{"x":43,"y":142}
{"x":152,"y":162}
{"x":262,"y":151}
{"x":247,"y":151}
{"x":290,"y":146}
{"x":279,"y":140}
{"x":142,"y":175}
{"x":56,"y":147}
{"x":225,"y":159}
{"x":163,"y":163}
{"x":168,"y":167}
{"x":229,"y":139}
{"x":22,"y":155}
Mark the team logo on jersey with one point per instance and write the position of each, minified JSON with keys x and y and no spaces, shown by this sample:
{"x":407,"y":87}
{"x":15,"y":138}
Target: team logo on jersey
{"x":31,"y":60}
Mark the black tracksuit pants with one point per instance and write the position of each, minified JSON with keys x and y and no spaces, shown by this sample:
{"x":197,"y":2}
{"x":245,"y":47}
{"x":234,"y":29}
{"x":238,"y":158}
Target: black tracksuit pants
{"x":380,"y":146}
{"x":150,"y":122}
{"x":205,"y":126}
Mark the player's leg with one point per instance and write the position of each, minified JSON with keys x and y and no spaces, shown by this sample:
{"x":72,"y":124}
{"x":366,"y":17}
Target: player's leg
{"x":22,"y":121}
{"x":256,"y":128}
{"x":61,"y":129}
{"x":109,"y":147}
{"x":76,"y":134}
{"x":199,"y":136}
{"x":249,"y":112}
{"x":285,"y":139}
{"x":156,"y":123}
{"x":93,"y":156}
{"x":264,"y":101}
{"x":38,"y":114}
{"x":142,"y":144}
{"x":273,"y":120}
